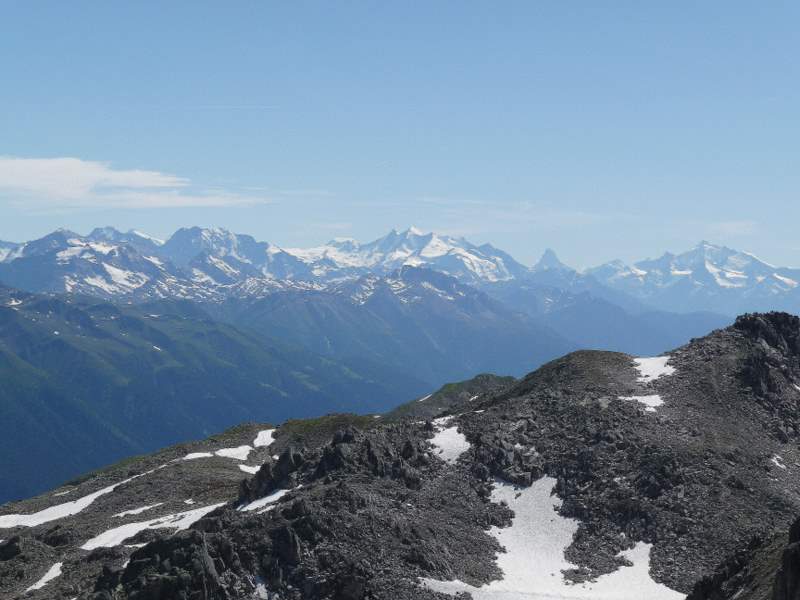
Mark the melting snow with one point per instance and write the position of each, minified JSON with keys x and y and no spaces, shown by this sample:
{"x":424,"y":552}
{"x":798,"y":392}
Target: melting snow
{"x":650,"y":402}
{"x":264,"y":438}
{"x":67,"y":509}
{"x":51,"y":574}
{"x":533,"y":562}
{"x":249,"y":469}
{"x":137,"y":511}
{"x":449,"y":441}
{"x":177,"y":521}
{"x":651,"y":369}
{"x":262,"y":502}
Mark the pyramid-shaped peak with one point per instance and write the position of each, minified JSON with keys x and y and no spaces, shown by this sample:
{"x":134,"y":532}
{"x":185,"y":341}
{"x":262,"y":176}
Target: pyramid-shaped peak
{"x":549,"y":261}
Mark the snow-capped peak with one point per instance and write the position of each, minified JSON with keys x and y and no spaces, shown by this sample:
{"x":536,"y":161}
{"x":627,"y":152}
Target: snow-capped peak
{"x":701,"y":277}
{"x":454,"y":256}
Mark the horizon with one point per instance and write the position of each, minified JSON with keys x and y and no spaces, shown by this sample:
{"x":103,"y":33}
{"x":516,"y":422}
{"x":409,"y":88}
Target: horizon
{"x":604,"y":132}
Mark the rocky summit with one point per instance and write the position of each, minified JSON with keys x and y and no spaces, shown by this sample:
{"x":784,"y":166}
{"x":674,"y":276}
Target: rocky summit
{"x":599,"y":475}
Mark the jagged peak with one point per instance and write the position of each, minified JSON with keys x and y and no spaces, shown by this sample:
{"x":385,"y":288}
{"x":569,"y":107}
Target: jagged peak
{"x":550,"y":261}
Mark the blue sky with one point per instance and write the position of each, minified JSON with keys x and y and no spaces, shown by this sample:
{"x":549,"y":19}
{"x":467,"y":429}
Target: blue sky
{"x":603,"y":129}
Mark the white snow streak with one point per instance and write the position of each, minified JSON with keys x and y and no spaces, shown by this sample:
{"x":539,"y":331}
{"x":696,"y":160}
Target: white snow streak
{"x":137,"y":511}
{"x":194,"y":455}
{"x":249,"y":469}
{"x":51,"y":574}
{"x":533,"y":560}
{"x":67,"y":509}
{"x":262,"y":502}
{"x":177,"y":521}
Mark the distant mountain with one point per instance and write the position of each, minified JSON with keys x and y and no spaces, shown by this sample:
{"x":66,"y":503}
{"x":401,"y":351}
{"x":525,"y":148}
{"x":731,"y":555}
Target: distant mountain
{"x":611,"y":306}
{"x":141,"y":241}
{"x":8,"y":250}
{"x":225,"y":257}
{"x":707,"y":277}
{"x":91,"y":382}
{"x":454,"y":256}
{"x":416,"y":319}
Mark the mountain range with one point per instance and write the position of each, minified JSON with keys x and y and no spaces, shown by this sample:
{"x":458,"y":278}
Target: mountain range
{"x":345,"y":326}
{"x":215,"y":264}
{"x":597,"y":476}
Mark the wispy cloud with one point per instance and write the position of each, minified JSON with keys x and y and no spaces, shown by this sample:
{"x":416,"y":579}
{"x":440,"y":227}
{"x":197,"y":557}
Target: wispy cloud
{"x":72,"y":183}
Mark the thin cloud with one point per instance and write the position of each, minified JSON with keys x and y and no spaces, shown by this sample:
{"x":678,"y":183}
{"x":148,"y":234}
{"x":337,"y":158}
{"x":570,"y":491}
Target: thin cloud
{"x":39,"y":184}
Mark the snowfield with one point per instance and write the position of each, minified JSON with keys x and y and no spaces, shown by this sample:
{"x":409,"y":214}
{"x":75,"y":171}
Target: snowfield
{"x":533,"y":562}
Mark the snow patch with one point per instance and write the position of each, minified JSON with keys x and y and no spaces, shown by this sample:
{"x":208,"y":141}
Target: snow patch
{"x":178,"y":521}
{"x":239,"y":453}
{"x":264,"y":438}
{"x":51,"y":574}
{"x":195,"y":455}
{"x":249,"y":469}
{"x":651,"y":369}
{"x":262,"y":502}
{"x":424,"y":398}
{"x":449,"y":442}
{"x":533,"y":560}
{"x":137,"y":511}
{"x":650,"y":402}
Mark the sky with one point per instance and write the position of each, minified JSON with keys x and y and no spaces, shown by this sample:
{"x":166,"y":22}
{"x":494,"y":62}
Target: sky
{"x":601,"y":129}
